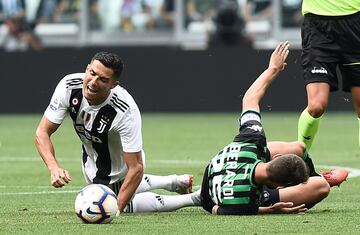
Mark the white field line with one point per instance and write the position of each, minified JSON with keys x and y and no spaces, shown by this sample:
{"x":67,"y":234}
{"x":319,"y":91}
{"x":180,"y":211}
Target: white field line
{"x":78,"y":160}
{"x":38,"y":193}
{"x":353,"y":172}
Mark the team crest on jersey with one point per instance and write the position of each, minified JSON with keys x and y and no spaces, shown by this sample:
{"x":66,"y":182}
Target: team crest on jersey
{"x":54,"y":105}
{"x":103,"y":122}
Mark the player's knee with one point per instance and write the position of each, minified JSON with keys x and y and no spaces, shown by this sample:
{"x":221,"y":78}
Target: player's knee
{"x":299,"y":148}
{"x":316,"y":109}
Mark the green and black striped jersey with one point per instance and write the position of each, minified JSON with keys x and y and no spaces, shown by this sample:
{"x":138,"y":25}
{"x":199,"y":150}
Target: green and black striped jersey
{"x":230,"y":174}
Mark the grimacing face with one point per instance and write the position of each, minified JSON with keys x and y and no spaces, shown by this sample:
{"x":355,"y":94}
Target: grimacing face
{"x":98,"y":82}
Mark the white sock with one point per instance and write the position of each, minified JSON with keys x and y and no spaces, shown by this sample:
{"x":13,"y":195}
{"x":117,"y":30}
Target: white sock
{"x":151,"y":202}
{"x":150,"y":182}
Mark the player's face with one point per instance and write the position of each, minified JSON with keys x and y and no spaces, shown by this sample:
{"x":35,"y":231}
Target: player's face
{"x":98,"y":82}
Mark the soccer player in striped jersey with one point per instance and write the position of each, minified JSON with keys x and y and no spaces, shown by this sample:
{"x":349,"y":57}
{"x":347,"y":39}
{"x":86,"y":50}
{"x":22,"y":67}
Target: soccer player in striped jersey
{"x":108,"y":123}
{"x":235,"y":179}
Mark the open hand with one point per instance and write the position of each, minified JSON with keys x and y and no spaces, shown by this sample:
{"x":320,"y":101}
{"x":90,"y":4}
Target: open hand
{"x":287,"y":208}
{"x":278,"y":57}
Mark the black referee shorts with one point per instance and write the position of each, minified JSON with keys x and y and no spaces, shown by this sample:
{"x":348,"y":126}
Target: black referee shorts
{"x":329,"y":42}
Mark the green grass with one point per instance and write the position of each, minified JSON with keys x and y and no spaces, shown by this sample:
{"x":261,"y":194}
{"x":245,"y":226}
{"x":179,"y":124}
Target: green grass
{"x":29,"y":205}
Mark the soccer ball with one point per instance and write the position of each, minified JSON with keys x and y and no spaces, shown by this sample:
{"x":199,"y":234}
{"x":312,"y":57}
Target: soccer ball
{"x":96,"y":204}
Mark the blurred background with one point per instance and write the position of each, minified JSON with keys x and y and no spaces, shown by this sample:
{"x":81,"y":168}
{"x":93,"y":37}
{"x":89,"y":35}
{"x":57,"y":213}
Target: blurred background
{"x":190,"y":24}
{"x":180,"y":55}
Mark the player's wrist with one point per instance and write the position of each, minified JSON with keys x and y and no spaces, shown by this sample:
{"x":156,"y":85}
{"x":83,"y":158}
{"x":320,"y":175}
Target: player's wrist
{"x":274,"y":69}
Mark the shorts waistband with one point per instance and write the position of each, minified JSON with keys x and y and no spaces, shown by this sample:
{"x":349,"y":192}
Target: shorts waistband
{"x":320,"y":17}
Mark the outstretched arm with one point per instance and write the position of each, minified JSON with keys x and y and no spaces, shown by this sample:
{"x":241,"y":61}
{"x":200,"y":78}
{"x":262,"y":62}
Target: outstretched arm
{"x":58,"y":176}
{"x":257,"y":90}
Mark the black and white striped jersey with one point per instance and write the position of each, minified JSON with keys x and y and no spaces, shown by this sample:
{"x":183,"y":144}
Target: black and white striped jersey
{"x":106,"y":130}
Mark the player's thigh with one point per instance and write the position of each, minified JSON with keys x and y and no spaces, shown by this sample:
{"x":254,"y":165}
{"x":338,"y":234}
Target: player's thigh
{"x":278,"y":148}
{"x":355,"y":93}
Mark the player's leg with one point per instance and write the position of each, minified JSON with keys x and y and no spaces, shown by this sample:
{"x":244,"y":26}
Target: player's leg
{"x":350,"y":54}
{"x":152,"y":202}
{"x":355,"y":93}
{"x":181,"y":184}
{"x":309,"y":193}
{"x":317,"y":95}
{"x":174,"y":183}
{"x":278,"y":148}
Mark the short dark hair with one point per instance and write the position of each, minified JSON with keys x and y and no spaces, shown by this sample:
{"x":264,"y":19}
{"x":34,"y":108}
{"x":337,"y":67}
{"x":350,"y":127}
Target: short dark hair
{"x":288,"y":170}
{"x":110,"y":60}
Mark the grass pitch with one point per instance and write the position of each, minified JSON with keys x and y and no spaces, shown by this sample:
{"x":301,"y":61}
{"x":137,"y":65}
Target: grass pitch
{"x":174,"y":143}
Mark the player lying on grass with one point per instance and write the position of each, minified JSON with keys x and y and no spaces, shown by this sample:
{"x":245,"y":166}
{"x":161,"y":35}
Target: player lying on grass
{"x":250,"y":176}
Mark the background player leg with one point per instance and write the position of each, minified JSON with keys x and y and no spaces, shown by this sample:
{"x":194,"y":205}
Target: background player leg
{"x":355,"y":92}
{"x":278,"y":148}
{"x":282,"y":147}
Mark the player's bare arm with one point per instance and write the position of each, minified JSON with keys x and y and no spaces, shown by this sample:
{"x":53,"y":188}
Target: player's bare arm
{"x":283,"y":208}
{"x":132,"y":180}
{"x":58,"y":176}
{"x":257,"y":90}
{"x":277,"y":208}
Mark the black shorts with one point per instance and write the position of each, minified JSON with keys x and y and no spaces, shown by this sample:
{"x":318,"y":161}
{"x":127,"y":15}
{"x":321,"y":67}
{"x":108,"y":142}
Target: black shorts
{"x":206,"y":201}
{"x":329,"y":42}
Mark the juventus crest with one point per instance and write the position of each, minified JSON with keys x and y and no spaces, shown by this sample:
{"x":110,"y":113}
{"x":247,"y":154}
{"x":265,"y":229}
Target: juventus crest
{"x":103,"y":122}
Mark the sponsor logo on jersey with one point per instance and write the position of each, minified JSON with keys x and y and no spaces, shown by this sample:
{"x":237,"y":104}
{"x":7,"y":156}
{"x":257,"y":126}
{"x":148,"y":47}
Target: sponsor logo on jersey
{"x":80,"y":129}
{"x":320,"y":70}
{"x":255,"y":128}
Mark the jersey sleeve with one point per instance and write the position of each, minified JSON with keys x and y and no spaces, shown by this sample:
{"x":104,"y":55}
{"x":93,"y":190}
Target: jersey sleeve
{"x":237,"y":210}
{"x":130,"y":131}
{"x":57,"y":109}
{"x":251,"y":130}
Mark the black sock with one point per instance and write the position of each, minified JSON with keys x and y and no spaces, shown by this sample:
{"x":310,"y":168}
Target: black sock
{"x":310,"y":164}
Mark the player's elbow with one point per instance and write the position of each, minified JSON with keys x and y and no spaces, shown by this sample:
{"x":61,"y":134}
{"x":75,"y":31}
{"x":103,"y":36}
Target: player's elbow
{"x":321,"y":188}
